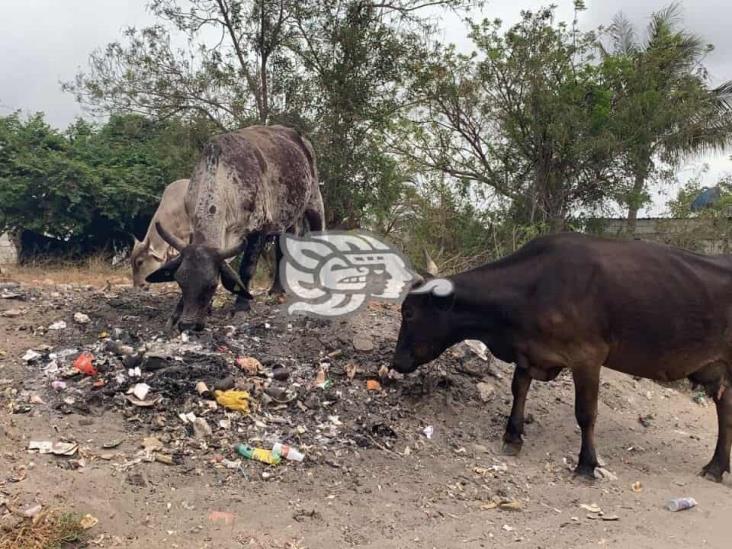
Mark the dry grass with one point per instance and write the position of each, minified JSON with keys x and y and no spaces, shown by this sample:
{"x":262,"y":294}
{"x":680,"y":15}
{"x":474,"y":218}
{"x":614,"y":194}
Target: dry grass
{"x":49,"y":530}
{"x":94,"y":270}
{"x":98,"y":271}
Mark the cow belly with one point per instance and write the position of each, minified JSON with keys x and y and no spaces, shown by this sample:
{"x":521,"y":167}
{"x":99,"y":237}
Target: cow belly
{"x":552,"y":354}
{"x":664,"y":366}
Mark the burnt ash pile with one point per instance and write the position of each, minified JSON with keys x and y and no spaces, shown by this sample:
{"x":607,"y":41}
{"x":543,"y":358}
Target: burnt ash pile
{"x":321,"y":386}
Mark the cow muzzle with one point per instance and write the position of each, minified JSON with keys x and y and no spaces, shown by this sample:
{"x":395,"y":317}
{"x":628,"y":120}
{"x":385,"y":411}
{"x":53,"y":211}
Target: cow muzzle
{"x":404,"y":363}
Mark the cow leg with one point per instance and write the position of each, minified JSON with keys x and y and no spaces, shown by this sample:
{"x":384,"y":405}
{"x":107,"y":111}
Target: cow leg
{"x":277,"y":289}
{"x":512,"y":438}
{"x":586,"y":388}
{"x":175,"y":316}
{"x":719,"y":465}
{"x":315,"y":217}
{"x":248,"y":266}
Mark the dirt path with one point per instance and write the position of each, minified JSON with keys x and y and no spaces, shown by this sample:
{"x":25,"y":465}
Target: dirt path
{"x":436,"y":493}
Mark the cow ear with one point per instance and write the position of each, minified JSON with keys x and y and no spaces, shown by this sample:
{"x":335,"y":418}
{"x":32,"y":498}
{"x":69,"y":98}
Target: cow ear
{"x":232,"y":282}
{"x":166,"y":273}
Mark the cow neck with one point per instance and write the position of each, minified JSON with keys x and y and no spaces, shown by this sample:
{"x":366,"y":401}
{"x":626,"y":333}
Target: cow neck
{"x":474,"y":308}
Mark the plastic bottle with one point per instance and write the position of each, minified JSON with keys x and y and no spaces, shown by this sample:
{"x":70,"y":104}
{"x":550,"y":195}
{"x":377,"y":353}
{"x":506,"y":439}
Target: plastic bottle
{"x":679,"y":504}
{"x":287,"y":452}
{"x":257,"y":454}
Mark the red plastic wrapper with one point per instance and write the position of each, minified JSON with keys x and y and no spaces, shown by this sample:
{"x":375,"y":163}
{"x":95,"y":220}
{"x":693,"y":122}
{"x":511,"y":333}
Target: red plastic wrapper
{"x":84,"y":363}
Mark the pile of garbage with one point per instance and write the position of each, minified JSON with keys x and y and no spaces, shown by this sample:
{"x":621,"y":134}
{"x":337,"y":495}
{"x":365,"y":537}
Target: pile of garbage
{"x":272,"y":388}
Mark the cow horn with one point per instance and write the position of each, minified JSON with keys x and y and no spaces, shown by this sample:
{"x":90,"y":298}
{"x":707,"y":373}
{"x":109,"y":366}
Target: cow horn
{"x":233,"y":251}
{"x":430,"y":265}
{"x":171,"y":239}
{"x":441,"y":287}
{"x":417,"y":281}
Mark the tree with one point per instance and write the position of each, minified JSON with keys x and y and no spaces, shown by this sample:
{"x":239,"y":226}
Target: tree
{"x":663,"y":108}
{"x":233,"y":81}
{"x":331,"y":69}
{"x":524,"y":117}
{"x":92,"y":185}
{"x":358,"y":56}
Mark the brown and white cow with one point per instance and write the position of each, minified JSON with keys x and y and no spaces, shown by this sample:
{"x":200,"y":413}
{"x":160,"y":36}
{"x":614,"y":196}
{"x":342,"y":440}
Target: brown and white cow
{"x":248,"y":185}
{"x":151,"y":252}
{"x":580,"y":302}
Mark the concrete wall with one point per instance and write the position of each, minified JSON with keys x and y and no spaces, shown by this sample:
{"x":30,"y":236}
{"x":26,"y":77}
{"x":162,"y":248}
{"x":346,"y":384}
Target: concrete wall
{"x":709,"y":236}
{"x":8,"y":253}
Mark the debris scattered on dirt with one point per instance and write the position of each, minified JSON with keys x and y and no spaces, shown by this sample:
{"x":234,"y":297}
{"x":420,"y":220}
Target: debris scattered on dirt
{"x":56,"y":448}
{"x":287,"y":452}
{"x":233,"y":400}
{"x":12,"y":313}
{"x":249,"y":365}
{"x":637,"y":487}
{"x":88,"y":521}
{"x":680,"y":504}
{"x":33,"y":511}
{"x":373,"y":385}
{"x":58,"y":325}
{"x":478,"y":348}
{"x":280,"y":372}
{"x":140,"y":390}
{"x":258,"y":454}
{"x":646,"y":420}
{"x":31,"y":356}
{"x":84,"y":363}
{"x":363,"y":343}
{"x":486,"y":391}
{"x":81,"y":318}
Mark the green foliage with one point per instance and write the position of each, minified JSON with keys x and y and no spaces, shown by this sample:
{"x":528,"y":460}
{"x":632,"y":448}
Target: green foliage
{"x":92,"y":183}
{"x":333,"y":69}
{"x":663,"y":108}
{"x":525,"y":116}
{"x":466,"y":156}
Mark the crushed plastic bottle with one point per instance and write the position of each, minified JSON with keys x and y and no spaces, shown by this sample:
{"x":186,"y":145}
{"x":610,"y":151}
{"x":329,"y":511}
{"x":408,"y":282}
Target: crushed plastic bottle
{"x":680,"y":504}
{"x":257,"y":454}
{"x":287,"y":452}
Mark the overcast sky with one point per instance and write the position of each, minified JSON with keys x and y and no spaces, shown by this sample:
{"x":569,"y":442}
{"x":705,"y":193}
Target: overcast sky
{"x":43,"y":42}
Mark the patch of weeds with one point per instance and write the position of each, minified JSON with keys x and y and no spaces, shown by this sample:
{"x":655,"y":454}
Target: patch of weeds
{"x":50,"y":530}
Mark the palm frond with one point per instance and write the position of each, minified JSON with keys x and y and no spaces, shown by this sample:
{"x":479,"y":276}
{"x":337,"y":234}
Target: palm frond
{"x":663,"y":22}
{"x":623,"y":35}
{"x":723,"y":95}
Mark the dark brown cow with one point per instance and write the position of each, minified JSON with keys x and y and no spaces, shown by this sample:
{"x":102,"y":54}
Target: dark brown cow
{"x":249,"y":184}
{"x":580,"y":302}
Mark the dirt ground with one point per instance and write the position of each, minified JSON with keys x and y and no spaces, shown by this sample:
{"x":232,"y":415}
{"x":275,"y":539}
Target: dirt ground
{"x":371,"y":477}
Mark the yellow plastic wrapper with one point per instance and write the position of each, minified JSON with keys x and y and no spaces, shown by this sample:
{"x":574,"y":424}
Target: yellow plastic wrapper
{"x":233,"y":400}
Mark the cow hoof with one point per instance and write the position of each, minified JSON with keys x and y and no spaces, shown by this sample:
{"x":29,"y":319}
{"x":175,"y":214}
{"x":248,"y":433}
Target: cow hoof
{"x":277,"y":291}
{"x":712,"y":472}
{"x":586,"y":472}
{"x":242,"y":306}
{"x":511,"y":448}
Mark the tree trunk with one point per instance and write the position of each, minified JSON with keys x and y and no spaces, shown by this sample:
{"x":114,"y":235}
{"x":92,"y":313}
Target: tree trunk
{"x":634,"y":201}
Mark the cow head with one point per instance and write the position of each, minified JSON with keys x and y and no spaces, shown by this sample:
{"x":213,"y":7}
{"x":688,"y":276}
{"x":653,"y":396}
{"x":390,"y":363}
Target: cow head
{"x":197,"y":270}
{"x":145,"y":260}
{"x":428,"y":326}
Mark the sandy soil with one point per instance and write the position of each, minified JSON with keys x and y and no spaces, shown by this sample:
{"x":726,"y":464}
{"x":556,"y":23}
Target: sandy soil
{"x":371,"y":477}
